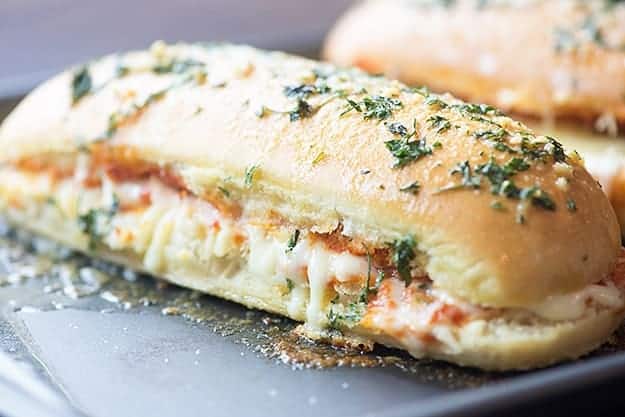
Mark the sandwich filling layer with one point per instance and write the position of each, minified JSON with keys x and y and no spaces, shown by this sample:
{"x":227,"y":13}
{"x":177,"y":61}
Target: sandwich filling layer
{"x":109,"y":202}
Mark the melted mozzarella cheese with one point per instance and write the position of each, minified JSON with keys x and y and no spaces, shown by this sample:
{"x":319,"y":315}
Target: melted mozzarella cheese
{"x":188,"y":235}
{"x":573,"y":306}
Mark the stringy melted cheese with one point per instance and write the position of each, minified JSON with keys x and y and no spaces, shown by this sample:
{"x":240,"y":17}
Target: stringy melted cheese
{"x":185,"y":235}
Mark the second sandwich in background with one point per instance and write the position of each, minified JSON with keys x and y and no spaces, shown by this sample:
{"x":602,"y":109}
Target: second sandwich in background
{"x":559,"y":64}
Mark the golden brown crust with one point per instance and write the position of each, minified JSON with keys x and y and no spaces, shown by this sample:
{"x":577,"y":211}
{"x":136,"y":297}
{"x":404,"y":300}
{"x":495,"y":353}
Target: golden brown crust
{"x":535,"y":57}
{"x":326,"y":168}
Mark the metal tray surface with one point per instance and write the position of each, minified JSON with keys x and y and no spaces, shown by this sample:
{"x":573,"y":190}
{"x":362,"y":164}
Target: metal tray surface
{"x":161,"y":350}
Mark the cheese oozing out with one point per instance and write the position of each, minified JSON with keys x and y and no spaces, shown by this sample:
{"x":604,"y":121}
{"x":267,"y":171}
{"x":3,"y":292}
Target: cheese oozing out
{"x":176,"y":234}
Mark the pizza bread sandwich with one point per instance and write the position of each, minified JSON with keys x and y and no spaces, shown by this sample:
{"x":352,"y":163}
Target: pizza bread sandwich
{"x":365,"y":209}
{"x":559,"y":65}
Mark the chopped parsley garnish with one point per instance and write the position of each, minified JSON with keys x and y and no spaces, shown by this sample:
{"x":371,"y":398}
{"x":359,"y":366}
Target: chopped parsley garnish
{"x":557,"y":150}
{"x":96,"y":222}
{"x":411,"y":188}
{"x":397,"y":128}
{"x":349,"y":315}
{"x":224,"y":191}
{"x":374,"y":107}
{"x":406,"y":151}
{"x":500,"y":178}
{"x":249,"y":175}
{"x":403,"y":253}
{"x":516,"y":165}
{"x":433,"y":100}
{"x":495,"y":138}
{"x":289,"y":285}
{"x":440,"y":123}
{"x":345,"y":316}
{"x":499,"y":175}
{"x":301,"y":111}
{"x":177,"y":66}
{"x":306,"y":90}
{"x":538,"y":197}
{"x":469,"y":178}
{"x":481,"y":109}
{"x":571,"y":205}
{"x":292,"y":241}
{"x":81,"y":84}
{"x":117,"y":119}
{"x":491,"y":135}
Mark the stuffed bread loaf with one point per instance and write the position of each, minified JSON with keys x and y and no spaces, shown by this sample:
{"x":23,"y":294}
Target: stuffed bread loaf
{"x":352,"y":203}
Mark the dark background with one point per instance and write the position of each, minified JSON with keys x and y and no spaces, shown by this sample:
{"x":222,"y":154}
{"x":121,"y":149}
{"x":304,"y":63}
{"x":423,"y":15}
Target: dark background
{"x":41,"y":37}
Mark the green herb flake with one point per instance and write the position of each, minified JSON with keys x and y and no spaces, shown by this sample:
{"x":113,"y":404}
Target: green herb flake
{"x":491,"y":135}
{"x":538,"y":197}
{"x":364,"y":294}
{"x":477,"y":109}
{"x":177,"y":66}
{"x":292,"y":241}
{"x":224,"y":191}
{"x":96,"y":222}
{"x":435,"y":101}
{"x":289,"y":285}
{"x":374,"y":107}
{"x":302,"y":110}
{"x":396,"y":128}
{"x":439,"y":123}
{"x":571,"y":205}
{"x":406,"y":152}
{"x":469,"y":178}
{"x":403,"y":253}
{"x":249,"y":175}
{"x":117,"y":119}
{"x":81,"y":84}
{"x":340,"y":316}
{"x":304,"y":91}
{"x":556,"y":150}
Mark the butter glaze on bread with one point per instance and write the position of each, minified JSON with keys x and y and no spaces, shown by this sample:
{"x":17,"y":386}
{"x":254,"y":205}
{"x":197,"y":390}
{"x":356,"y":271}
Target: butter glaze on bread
{"x":563,"y":59}
{"x":302,"y":148}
